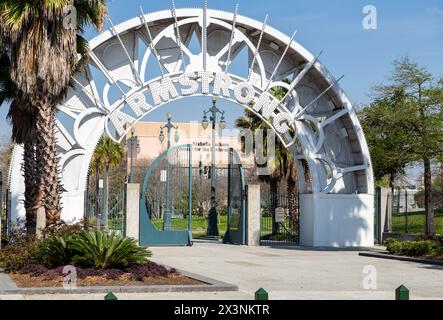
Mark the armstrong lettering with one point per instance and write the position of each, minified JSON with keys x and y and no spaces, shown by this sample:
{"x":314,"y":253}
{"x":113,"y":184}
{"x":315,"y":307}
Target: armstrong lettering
{"x":171,"y":87}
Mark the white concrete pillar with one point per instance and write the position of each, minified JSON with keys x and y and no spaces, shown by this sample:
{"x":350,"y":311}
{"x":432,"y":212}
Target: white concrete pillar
{"x":132,"y":210}
{"x":337,"y":220}
{"x":253,"y":215}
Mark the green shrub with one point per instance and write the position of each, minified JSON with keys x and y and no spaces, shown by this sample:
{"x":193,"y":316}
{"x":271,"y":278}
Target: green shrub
{"x":99,"y":250}
{"x":19,"y":253}
{"x":414,"y":248}
{"x":54,"y":251}
{"x":62,"y":229}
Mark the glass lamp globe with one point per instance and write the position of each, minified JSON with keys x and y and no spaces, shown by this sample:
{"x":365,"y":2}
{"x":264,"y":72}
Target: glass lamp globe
{"x":222,"y":123}
{"x":205,"y":122}
{"x":176,"y":136}
{"x":161,"y":137}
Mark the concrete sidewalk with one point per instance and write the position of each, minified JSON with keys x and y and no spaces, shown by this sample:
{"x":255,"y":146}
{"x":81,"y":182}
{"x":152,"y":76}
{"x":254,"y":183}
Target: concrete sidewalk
{"x":303,"y":273}
{"x":287,"y":273}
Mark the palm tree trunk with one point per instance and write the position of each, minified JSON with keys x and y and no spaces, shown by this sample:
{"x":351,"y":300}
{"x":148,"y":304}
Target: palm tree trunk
{"x":30,"y":175}
{"x":105,"y":213}
{"x":97,"y":196}
{"x":274,"y":203}
{"x":47,"y":160}
{"x":292,"y":202}
{"x":429,"y":209}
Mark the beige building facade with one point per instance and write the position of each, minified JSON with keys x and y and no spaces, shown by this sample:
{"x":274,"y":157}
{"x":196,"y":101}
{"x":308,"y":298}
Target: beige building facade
{"x":150,"y":146}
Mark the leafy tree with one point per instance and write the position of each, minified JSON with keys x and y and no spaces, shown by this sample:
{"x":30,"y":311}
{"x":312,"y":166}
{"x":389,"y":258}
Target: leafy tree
{"x":108,"y":154}
{"x":410,"y":107}
{"x":43,"y":57}
{"x":390,"y":148}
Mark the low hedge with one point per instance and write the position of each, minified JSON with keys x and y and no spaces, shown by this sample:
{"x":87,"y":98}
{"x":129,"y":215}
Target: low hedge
{"x":416,"y":248}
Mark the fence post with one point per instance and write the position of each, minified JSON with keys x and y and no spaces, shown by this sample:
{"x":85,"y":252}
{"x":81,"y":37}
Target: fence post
{"x":111,"y":296}
{"x":402,"y":293}
{"x":406,"y":209}
{"x":261,"y":294}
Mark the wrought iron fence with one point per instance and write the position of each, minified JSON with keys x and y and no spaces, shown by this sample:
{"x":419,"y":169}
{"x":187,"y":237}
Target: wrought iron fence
{"x":116,"y":209}
{"x":281,"y":226}
{"x":408,"y":214}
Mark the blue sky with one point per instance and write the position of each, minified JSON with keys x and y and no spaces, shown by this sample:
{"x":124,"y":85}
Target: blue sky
{"x":413,"y":28}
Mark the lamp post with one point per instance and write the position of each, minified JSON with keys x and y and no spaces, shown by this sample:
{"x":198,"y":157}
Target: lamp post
{"x":133,"y":142}
{"x":212,"y":217}
{"x":167,"y":217}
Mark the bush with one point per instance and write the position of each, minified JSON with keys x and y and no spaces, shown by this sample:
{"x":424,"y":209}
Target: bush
{"x":414,"y":248}
{"x":97,"y":249}
{"x":54,"y":251}
{"x":19,"y":253}
{"x":62,"y":229}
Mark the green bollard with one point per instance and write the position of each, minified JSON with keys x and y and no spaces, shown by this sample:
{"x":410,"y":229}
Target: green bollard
{"x":402,"y":293}
{"x":261,"y":294}
{"x":111,"y":296}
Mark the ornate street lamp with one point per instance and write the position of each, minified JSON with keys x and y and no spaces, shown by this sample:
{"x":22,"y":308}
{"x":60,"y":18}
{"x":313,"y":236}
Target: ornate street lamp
{"x":132,"y":144}
{"x":167,"y":217}
{"x":212,"y":217}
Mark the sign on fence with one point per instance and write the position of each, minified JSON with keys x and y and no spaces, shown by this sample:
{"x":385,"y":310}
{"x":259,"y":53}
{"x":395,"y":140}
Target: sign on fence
{"x":279,"y":214}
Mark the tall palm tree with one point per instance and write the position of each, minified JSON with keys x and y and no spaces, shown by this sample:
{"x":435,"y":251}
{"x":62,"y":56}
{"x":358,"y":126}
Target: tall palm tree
{"x":43,"y":57}
{"x":108,"y":154}
{"x":282,"y":163}
{"x":22,"y":119}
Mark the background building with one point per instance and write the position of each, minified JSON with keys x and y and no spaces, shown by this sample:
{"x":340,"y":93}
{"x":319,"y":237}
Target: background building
{"x":192,"y":133}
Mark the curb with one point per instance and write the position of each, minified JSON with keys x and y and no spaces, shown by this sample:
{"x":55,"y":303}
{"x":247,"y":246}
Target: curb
{"x":401,"y":258}
{"x":211,"y":285}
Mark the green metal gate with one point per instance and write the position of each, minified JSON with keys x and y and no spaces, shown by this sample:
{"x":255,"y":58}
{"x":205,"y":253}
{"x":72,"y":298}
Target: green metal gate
{"x":236,"y":222}
{"x":166,"y":199}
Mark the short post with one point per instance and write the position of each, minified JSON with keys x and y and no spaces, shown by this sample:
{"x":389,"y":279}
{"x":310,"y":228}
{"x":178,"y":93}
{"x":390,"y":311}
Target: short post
{"x":111,"y":296}
{"x":253,"y":215}
{"x":261,"y":294}
{"x":402,"y":293}
{"x":406,"y":209}
{"x":132,"y":210}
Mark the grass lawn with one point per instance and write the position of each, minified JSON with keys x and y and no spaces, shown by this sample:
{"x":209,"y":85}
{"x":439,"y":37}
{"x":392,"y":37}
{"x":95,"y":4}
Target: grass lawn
{"x":416,"y":222}
{"x":199,"y":224}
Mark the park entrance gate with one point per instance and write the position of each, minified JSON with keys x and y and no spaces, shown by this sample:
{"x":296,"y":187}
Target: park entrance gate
{"x":166,"y":195}
{"x":166,"y":202}
{"x":155,"y":59}
{"x":236,"y":220}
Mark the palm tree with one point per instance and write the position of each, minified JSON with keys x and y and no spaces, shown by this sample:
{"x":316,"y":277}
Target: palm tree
{"x":43,"y":57}
{"x":282,"y":163}
{"x":22,"y":118}
{"x":108,"y":154}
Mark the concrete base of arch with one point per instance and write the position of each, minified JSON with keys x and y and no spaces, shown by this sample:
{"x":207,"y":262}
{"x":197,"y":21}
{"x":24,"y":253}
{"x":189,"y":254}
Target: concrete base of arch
{"x":336,"y":220}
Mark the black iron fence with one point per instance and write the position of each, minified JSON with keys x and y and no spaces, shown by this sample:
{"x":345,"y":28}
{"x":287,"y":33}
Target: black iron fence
{"x":279,"y":219}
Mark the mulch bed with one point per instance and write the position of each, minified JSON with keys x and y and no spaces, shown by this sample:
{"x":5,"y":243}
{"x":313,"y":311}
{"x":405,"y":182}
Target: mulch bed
{"x":38,"y":276}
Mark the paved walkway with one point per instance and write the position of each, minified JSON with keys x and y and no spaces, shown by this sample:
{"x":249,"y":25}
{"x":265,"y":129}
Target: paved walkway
{"x":288,"y":273}
{"x":297,"y":273}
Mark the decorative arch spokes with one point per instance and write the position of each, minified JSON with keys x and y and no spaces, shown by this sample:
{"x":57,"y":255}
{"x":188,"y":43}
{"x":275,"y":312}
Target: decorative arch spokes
{"x":141,"y":64}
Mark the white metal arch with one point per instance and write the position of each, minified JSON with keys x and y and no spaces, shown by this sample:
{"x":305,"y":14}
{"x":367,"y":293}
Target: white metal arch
{"x":338,"y":208}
